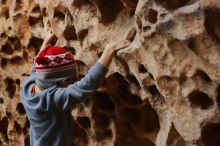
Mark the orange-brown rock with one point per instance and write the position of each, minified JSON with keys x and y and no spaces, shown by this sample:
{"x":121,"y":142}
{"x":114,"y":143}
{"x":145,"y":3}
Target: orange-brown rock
{"x":163,"y":90}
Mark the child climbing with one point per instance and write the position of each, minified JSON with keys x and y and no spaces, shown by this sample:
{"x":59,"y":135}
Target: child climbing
{"x":49,"y":94}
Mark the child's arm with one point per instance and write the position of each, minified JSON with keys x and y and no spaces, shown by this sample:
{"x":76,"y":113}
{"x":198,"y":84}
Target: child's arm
{"x":110,"y":51}
{"x":65,"y":98}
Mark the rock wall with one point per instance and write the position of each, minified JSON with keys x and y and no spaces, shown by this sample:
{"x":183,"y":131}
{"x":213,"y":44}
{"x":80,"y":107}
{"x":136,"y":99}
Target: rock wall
{"x":163,"y":90}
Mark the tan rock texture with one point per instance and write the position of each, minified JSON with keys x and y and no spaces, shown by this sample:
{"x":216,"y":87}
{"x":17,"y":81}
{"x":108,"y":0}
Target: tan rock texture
{"x":163,"y":90}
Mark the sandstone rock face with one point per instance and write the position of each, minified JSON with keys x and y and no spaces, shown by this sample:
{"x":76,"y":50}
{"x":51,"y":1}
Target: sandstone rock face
{"x":163,"y":90}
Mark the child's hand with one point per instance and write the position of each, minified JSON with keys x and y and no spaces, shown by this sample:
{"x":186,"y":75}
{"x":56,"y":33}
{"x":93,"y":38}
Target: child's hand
{"x":110,"y":51}
{"x":49,"y":37}
{"x":117,"y":46}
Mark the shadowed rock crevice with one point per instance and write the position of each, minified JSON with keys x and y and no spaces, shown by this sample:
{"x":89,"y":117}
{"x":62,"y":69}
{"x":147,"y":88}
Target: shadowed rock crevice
{"x":82,"y":34}
{"x":172,"y":4}
{"x":20,"y":109}
{"x":210,"y":134}
{"x":152,"y":16}
{"x":4,"y":128}
{"x":212,"y":23}
{"x":70,"y":33}
{"x":174,"y":138}
{"x":142,"y":69}
{"x":18,"y":5}
{"x":10,"y":87}
{"x":35,"y":20}
{"x":199,"y":74}
{"x":200,"y":99}
{"x":107,"y":10}
{"x":59,"y":14}
{"x":35,"y":43}
{"x":4,"y":62}
{"x":84,"y":121}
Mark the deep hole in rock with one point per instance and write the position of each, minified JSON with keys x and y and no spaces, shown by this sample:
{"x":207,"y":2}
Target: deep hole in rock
{"x":9,"y":114}
{"x":108,"y":10}
{"x":17,"y":127}
{"x":71,"y":49}
{"x":202,"y":75}
{"x":153,"y":90}
{"x":44,"y":12}
{"x":10,"y":87}
{"x":25,"y":75}
{"x":36,"y":9}
{"x":142,"y":69}
{"x":70,"y":33}
{"x":16,"y":43}
{"x":131,"y":35}
{"x":124,"y":134}
{"x":17,"y":60}
{"x":192,"y":45}
{"x":134,"y":100}
{"x":17,"y":17}
{"x":7,"y":49}
{"x":173,"y":136}
{"x":3,"y":35}
{"x":1,"y":100}
{"x":103,"y":102}
{"x":4,"y":62}
{"x":25,"y":55}
{"x":151,"y":119}
{"x":182,"y":79}
{"x":151,"y":76}
{"x":172,"y":4}
{"x":80,"y":137}
{"x":152,"y":16}
{"x":27,"y":141}
{"x":4,"y":127}
{"x":116,"y":79}
{"x":218,"y":97}
{"x":139,"y":23}
{"x":200,"y":99}
{"x":212,"y":23}
{"x":210,"y":134}
{"x":84,"y":121}
{"x":18,"y":5}
{"x":26,"y":127}
{"x":20,"y":109}
{"x":145,"y":142}
{"x":5,"y":11}
{"x":132,"y":13}
{"x":4,"y":2}
{"x":78,"y":3}
{"x":82,"y":34}
{"x":122,"y":92}
{"x":133,"y":79}
{"x":58,"y":14}
{"x":132,"y":115}
{"x":146,"y":28}
{"x":35,"y":42}
{"x":35,"y":20}
{"x":103,"y":134}
{"x":102,"y":121}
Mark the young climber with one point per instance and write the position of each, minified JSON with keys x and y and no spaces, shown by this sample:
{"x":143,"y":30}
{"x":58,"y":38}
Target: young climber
{"x":48,"y":94}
